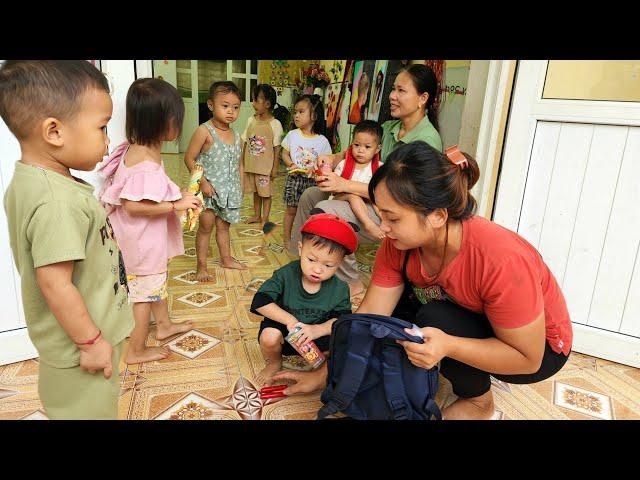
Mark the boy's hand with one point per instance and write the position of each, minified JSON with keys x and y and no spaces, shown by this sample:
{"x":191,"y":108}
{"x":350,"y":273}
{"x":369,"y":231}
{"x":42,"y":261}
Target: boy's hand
{"x":274,"y":173}
{"x":308,"y":333}
{"x":206,"y":188}
{"x":97,"y":357}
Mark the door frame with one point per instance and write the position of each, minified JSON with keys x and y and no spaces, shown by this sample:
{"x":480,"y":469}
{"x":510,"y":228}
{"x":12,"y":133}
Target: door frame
{"x":527,"y":109}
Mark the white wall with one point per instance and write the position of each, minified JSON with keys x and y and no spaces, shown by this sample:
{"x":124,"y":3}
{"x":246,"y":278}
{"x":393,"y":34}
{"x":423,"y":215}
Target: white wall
{"x":472,"y":112}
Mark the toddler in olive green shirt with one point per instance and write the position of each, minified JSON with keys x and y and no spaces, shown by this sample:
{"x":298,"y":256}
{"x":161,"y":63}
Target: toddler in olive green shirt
{"x":72,"y":279}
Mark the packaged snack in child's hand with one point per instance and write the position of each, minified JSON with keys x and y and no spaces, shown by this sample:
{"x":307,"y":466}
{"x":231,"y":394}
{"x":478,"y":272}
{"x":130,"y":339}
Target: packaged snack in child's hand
{"x":310,"y":351}
{"x":301,"y":171}
{"x":193,"y":215}
{"x":190,"y":217}
{"x":322,"y":171}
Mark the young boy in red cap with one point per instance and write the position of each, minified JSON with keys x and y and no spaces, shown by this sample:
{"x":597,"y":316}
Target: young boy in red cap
{"x":305,"y":292}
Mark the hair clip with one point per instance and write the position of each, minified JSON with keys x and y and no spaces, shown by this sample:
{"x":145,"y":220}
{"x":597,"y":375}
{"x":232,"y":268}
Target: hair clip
{"x":456,"y":157}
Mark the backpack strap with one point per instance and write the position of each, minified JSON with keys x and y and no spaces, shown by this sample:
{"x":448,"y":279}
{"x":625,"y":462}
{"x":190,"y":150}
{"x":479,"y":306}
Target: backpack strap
{"x":433,"y":409}
{"x":354,"y":370}
{"x":393,"y":384}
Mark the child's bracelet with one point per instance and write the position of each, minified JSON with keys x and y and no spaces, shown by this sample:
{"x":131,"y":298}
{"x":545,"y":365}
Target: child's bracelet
{"x":92,"y":341}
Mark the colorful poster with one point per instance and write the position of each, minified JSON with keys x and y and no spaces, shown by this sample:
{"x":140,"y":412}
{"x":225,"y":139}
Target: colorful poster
{"x":332,"y":130}
{"x":361,"y":90}
{"x":379,"y":73}
{"x":331,"y":95}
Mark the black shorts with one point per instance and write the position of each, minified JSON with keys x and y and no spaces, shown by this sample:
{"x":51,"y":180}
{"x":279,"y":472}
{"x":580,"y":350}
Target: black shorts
{"x":294,"y":187}
{"x":287,"y":349}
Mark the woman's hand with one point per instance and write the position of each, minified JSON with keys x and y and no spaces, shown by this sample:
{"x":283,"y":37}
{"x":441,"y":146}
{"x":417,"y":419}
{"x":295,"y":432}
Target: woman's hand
{"x":332,"y":183}
{"x":305,"y":382}
{"x":206,"y":188}
{"x":428,"y":354}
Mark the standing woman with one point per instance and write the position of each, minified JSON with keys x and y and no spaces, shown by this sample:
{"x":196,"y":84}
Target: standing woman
{"x":486,"y":301}
{"x":412,"y":98}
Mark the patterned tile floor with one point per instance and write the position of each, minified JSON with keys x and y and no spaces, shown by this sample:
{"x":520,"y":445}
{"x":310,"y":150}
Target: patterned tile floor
{"x":211,"y":372}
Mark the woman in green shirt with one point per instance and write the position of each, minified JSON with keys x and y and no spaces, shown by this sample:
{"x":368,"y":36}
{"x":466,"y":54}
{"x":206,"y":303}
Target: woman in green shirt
{"x":415,"y":118}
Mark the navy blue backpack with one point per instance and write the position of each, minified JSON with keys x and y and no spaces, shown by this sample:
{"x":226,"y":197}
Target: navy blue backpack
{"x":370,"y":376}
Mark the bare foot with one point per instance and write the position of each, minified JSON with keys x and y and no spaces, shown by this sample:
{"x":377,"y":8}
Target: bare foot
{"x":373,"y":230}
{"x":149,"y":354}
{"x":203,"y":275}
{"x":356,"y":288}
{"x":476,"y":408}
{"x":232,"y":263}
{"x":165,"y":331}
{"x":265,"y":377}
{"x":254,"y":219}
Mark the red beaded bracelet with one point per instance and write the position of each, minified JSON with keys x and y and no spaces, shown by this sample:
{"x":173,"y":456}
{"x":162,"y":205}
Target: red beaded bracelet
{"x":92,"y":341}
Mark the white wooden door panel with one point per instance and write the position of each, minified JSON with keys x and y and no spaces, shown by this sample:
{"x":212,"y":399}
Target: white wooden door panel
{"x":564,"y":193}
{"x":543,"y":158}
{"x":589,"y":231}
{"x":621,"y":244}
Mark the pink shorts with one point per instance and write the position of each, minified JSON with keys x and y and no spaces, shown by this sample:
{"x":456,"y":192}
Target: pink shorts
{"x":147,"y":288}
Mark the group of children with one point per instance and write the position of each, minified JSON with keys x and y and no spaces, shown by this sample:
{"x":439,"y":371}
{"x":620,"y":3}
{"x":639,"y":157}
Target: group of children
{"x":62,"y":238}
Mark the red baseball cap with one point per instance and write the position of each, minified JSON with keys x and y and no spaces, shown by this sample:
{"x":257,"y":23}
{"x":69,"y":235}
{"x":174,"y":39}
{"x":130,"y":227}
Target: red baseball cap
{"x":332,"y":227}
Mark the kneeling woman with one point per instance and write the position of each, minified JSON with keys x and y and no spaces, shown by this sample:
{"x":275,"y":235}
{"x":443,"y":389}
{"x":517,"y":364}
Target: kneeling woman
{"x":486,"y":301}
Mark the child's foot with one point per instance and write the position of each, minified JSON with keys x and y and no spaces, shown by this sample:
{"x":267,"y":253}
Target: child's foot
{"x":373,"y":230}
{"x":203,"y":275}
{"x":166,"y":331}
{"x":254,"y":219}
{"x":265,"y":377}
{"x":149,"y":354}
{"x":232,"y":263}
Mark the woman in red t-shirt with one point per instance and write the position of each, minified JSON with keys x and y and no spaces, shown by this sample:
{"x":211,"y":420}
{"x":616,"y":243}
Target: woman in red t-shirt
{"x":487,"y":303}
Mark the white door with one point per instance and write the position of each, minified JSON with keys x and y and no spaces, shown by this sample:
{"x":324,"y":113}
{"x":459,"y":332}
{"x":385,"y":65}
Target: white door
{"x":187,"y":74}
{"x":244,"y":73}
{"x":569,"y":185}
{"x":15,"y":345}
{"x":166,"y":70}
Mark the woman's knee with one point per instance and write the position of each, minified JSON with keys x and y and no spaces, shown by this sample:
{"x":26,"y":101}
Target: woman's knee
{"x":327,"y":206}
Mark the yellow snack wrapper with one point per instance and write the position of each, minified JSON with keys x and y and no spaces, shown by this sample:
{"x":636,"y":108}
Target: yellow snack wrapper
{"x":190,"y":218}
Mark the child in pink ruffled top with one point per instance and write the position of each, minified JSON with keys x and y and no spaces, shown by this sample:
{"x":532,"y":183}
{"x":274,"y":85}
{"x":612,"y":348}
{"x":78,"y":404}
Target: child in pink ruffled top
{"x":142,"y":205}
